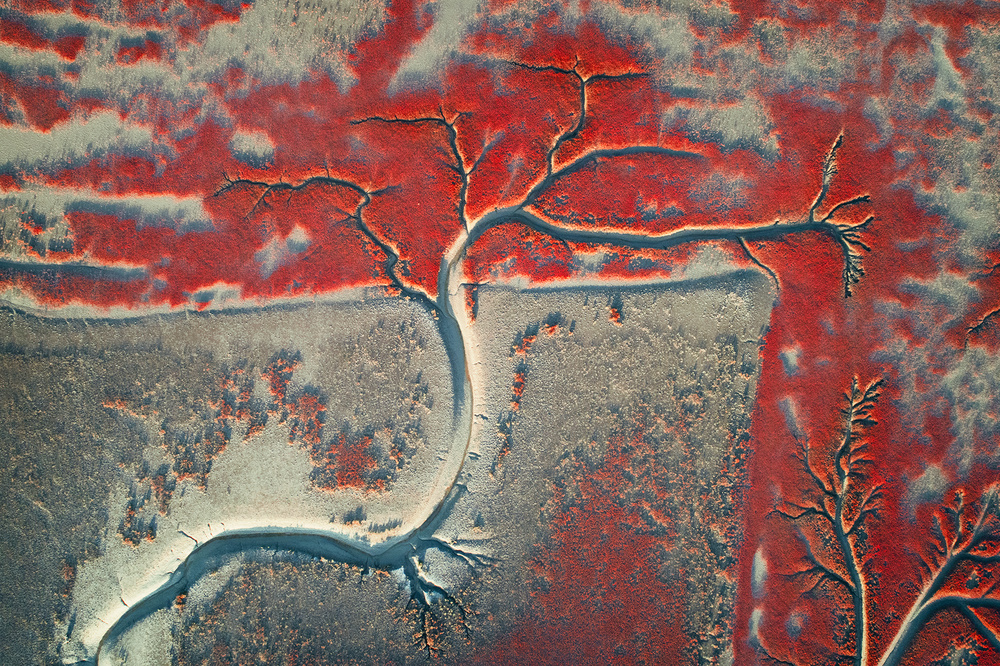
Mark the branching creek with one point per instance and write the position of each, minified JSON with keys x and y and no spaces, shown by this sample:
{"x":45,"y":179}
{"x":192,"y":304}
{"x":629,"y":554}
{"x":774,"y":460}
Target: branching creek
{"x":447,"y":308}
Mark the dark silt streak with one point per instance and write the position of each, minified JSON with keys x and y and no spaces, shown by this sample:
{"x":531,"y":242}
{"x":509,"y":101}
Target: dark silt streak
{"x":88,"y":271}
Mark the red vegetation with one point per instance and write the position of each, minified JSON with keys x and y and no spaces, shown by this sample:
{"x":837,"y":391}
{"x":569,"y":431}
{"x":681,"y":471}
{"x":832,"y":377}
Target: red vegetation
{"x":278,"y":375}
{"x":43,"y":105}
{"x":514,"y":90}
{"x":18,"y":34}
{"x":15,"y":32}
{"x":346,"y":463}
{"x":236,"y":407}
{"x":597,"y":593}
{"x":306,"y":416}
{"x":128,"y":55}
